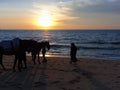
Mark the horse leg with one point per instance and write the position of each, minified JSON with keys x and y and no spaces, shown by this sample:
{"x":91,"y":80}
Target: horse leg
{"x":17,"y":58}
{"x":19,"y":64}
{"x":1,"y":61}
{"x":38,"y":57}
{"x":15,"y":61}
{"x":24,"y":60}
{"x":44,"y":58}
{"x":33,"y":57}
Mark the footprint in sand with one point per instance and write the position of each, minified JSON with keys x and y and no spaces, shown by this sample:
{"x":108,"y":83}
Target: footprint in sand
{"x":76,"y":70}
{"x":55,"y":82}
{"x":63,"y":88}
{"x":118,"y":77}
{"x":76,"y":80}
{"x":73,"y":81}
{"x":37,"y":84}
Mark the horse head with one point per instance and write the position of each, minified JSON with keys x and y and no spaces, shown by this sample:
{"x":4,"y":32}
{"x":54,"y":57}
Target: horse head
{"x":46,"y":44}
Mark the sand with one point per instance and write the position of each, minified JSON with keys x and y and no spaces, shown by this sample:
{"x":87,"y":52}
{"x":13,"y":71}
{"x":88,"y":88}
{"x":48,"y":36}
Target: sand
{"x":59,"y":74}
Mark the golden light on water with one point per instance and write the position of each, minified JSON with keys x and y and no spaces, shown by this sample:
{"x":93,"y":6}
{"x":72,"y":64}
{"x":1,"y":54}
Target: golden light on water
{"x":47,"y":55}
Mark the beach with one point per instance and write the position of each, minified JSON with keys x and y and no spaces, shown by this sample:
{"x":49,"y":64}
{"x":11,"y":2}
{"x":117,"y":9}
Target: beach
{"x":60,"y":30}
{"x":59,"y":74}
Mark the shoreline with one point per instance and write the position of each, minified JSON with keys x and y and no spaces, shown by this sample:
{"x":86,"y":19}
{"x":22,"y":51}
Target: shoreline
{"x":84,"y":57}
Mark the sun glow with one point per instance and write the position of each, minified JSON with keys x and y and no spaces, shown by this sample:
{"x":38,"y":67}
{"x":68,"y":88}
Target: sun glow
{"x":45,"y":21}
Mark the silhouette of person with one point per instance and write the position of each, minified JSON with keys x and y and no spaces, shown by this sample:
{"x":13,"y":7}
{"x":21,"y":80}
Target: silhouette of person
{"x":73,"y":52}
{"x":43,"y":53}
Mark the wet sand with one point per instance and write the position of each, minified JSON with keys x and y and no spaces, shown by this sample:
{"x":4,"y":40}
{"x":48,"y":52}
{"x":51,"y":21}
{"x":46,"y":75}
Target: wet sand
{"x":59,"y":74}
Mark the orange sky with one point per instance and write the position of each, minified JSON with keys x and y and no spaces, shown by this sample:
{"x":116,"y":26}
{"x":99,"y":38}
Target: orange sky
{"x":24,"y":14}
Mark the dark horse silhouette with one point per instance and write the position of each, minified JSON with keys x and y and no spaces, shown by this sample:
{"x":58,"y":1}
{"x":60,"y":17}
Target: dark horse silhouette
{"x":26,"y":46}
{"x":20,"y":52}
{"x":40,"y":46}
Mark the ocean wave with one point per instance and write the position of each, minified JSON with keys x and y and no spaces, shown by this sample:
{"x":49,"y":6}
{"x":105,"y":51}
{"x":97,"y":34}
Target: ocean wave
{"x":88,"y":47}
{"x":104,"y":42}
{"x":98,"y":47}
{"x":60,"y":46}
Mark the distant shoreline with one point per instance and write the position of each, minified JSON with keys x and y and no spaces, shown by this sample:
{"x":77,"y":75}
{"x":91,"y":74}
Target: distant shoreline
{"x":79,"y":57}
{"x":53,"y":29}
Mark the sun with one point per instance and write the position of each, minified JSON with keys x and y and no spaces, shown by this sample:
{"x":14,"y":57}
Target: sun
{"x":45,"y":21}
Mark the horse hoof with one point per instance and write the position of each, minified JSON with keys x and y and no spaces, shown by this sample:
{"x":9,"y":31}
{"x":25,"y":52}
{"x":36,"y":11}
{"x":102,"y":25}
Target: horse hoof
{"x":44,"y":61}
{"x":20,"y":71}
{"x":24,"y":67}
{"x":14,"y":71}
{"x":39,"y":62}
{"x":70,"y":62}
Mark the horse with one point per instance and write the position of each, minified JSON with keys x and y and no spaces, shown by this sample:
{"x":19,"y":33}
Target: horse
{"x":26,"y":46}
{"x":19,"y":52}
{"x":10,"y":47}
{"x":40,"y":46}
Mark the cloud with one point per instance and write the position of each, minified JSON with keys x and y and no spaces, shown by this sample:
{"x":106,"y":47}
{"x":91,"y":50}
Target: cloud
{"x":108,"y":6}
{"x":76,"y":11}
{"x":90,"y":11}
{"x":78,"y":8}
{"x":58,"y":10}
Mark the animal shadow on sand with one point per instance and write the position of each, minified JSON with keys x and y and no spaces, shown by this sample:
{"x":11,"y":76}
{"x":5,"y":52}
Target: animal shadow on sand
{"x":42,"y":83}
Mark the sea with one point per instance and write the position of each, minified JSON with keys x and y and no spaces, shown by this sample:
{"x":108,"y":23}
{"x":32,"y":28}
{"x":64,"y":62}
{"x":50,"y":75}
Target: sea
{"x":91,"y":43}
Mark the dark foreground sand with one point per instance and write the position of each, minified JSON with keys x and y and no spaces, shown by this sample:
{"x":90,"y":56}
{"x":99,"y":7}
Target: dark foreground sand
{"x":58,"y":74}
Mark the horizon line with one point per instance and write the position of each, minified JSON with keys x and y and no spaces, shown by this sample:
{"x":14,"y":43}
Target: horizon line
{"x":57,"y":29}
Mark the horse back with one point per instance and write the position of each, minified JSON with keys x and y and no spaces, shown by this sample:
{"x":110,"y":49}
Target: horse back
{"x":28,"y":45}
{"x":6,"y":47}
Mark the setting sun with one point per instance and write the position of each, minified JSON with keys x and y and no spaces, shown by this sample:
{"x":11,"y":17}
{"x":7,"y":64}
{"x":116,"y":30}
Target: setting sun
{"x":45,"y":21}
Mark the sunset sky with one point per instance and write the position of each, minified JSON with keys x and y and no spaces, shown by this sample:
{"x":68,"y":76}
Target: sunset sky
{"x":60,"y":14}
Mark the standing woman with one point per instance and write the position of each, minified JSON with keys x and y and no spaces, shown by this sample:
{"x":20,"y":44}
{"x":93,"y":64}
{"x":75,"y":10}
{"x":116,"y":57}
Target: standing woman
{"x":73,"y":52}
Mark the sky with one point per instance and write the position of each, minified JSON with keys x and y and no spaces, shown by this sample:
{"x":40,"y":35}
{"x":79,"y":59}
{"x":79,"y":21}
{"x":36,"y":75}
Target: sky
{"x":65,"y":14}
